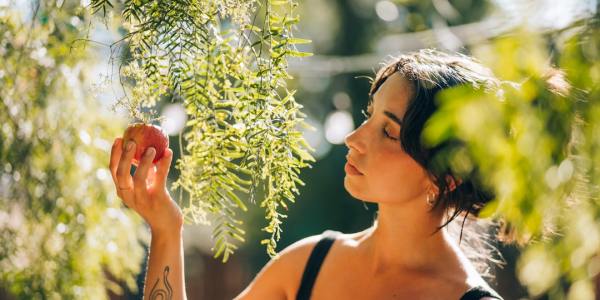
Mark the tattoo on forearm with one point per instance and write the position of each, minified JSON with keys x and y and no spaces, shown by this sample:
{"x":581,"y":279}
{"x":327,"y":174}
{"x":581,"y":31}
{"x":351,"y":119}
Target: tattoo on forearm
{"x":163,"y":292}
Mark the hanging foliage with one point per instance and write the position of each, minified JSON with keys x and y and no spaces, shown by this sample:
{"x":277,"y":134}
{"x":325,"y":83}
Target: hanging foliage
{"x":226,"y":62}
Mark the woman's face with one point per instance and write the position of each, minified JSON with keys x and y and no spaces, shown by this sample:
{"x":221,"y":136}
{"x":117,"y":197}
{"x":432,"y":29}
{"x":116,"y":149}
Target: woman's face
{"x":389,"y":175}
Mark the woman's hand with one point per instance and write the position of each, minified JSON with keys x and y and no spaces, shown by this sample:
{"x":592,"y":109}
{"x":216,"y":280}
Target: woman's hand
{"x":146,"y":191}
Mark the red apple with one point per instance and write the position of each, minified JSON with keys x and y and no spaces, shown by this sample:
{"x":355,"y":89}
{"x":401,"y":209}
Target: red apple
{"x":144,"y":136}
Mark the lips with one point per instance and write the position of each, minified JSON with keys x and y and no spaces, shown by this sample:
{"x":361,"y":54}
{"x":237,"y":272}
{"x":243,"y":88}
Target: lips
{"x":352,"y":165}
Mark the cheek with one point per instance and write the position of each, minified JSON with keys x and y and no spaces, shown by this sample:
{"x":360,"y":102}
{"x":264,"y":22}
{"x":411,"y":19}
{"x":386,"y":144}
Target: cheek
{"x":397,"y":177}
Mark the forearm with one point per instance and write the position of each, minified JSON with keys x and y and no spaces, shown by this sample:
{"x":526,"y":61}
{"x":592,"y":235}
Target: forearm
{"x":165,"y":274}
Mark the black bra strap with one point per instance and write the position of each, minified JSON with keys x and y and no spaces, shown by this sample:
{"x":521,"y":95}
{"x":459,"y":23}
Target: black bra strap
{"x":479,"y":292}
{"x":314,"y":264}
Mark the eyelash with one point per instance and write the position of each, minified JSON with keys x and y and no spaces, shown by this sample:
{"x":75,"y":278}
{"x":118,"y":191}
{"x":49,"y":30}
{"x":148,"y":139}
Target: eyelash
{"x":365,"y":113}
{"x":368,"y":115}
{"x":388,"y":136}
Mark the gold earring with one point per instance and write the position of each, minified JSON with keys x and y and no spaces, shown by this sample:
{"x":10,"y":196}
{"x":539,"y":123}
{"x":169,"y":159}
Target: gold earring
{"x":430,"y":199}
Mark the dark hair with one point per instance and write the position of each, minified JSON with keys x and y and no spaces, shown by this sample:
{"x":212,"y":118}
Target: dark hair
{"x":429,"y":72}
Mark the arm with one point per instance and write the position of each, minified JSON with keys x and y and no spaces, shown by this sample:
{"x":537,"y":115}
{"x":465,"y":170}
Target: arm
{"x":268,"y":283}
{"x":165,"y":276}
{"x":280,"y":277}
{"x":145,"y":192}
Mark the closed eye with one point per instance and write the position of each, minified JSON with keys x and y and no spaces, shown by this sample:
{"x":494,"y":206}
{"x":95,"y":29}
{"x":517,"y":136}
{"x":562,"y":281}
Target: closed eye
{"x":388,"y":135}
{"x":367,"y":115}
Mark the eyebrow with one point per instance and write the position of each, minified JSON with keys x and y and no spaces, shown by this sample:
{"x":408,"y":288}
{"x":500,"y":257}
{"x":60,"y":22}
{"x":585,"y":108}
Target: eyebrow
{"x":393,"y":117}
{"x":389,"y":114}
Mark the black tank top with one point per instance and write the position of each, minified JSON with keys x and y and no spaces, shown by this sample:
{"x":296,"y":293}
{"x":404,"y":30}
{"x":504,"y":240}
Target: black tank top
{"x":318,"y":254}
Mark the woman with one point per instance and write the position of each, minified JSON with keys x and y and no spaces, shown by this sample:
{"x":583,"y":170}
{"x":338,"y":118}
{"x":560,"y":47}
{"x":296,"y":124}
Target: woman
{"x":406,"y":254}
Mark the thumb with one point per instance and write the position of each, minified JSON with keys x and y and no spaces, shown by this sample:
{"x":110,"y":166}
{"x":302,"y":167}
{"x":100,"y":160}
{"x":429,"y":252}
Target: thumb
{"x":162,"y":168}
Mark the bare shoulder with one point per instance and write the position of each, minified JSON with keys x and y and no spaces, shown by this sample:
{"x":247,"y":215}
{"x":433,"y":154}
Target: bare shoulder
{"x":280,"y":277}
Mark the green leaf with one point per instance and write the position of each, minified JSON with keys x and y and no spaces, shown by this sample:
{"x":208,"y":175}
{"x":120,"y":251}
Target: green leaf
{"x":278,"y":2}
{"x":295,"y":53}
{"x":298,"y":41}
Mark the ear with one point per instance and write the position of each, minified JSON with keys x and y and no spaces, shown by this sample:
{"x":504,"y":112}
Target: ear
{"x":452,"y":182}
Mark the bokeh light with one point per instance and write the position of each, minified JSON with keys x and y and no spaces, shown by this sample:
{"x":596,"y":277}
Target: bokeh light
{"x":386,"y":10}
{"x":337,"y":125}
{"x":174,"y":118}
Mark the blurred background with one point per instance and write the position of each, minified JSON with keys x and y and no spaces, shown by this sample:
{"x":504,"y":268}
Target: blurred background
{"x":350,"y":40}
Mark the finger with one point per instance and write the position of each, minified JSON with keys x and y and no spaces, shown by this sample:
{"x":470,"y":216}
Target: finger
{"x":139,"y":178}
{"x":124,"y":180}
{"x":151,"y":175}
{"x":115,"y":156}
{"x":162,"y":168}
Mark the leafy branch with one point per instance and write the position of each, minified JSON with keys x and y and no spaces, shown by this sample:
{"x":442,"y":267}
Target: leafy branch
{"x":230,"y":75}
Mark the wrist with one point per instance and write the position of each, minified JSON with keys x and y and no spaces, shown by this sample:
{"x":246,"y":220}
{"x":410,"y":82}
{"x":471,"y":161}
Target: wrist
{"x":167,"y":234}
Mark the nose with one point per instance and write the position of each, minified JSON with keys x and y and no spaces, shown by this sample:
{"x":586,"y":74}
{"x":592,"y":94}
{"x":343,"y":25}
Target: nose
{"x":354,"y":141}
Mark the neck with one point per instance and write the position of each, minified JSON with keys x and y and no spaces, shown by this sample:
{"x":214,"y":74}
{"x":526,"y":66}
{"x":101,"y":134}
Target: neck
{"x":404,"y":237}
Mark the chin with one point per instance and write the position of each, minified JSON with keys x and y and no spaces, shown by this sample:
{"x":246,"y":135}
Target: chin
{"x":354,"y":190}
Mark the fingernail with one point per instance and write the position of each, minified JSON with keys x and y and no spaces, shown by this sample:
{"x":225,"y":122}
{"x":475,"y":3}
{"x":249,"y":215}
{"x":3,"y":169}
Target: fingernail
{"x":150,"y":151}
{"x":130,"y":145}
